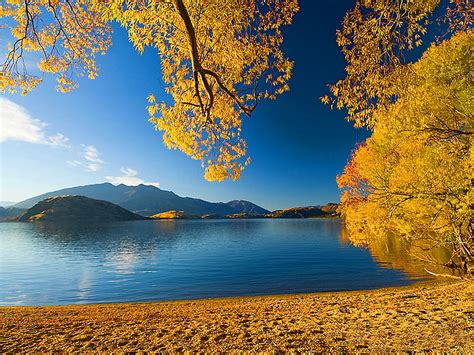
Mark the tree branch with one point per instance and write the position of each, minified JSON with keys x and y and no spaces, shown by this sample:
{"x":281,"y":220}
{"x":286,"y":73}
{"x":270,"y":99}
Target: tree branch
{"x":200,"y":72}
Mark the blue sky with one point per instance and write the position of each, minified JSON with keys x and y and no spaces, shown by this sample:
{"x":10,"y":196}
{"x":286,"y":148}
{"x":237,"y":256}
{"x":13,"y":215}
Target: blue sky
{"x":100,"y":132}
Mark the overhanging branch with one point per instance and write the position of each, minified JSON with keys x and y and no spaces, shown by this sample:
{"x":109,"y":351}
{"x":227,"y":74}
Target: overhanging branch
{"x":201,"y":73}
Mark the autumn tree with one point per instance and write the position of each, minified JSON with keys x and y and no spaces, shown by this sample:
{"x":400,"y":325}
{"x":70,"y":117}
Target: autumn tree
{"x":219,"y":58}
{"x":376,"y":39}
{"x":414,"y":175}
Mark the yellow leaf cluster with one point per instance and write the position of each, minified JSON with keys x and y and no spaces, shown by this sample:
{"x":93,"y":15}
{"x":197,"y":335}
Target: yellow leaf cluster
{"x":375,"y":39}
{"x":414,"y":175}
{"x":62,"y":37}
{"x":218,"y":59}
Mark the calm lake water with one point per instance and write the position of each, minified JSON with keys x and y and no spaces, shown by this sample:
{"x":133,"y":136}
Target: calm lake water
{"x":163,"y":260}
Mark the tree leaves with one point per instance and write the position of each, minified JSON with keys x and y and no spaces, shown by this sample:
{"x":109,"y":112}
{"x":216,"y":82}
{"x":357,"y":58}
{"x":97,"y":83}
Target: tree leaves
{"x":66,"y":36}
{"x":413,"y":176}
{"x":375,"y":39}
{"x":219,"y":58}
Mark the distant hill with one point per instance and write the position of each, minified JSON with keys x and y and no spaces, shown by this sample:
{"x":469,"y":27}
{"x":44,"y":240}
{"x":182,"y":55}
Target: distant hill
{"x":6,"y":203}
{"x":76,"y":208}
{"x":241,"y":206}
{"x":304,"y":212}
{"x":10,"y":213}
{"x":247,"y":215}
{"x":149,"y":200}
{"x":174,"y":215}
{"x":330,"y":208}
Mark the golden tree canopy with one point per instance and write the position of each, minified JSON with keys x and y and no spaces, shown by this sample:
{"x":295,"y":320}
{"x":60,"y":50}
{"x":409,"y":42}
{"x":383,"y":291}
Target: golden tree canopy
{"x":375,"y":39}
{"x":219,"y":58}
{"x":414,"y":175}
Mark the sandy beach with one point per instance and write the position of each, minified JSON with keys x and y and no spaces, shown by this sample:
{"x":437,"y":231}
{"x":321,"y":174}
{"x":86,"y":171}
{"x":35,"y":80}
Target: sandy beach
{"x":423,"y":317}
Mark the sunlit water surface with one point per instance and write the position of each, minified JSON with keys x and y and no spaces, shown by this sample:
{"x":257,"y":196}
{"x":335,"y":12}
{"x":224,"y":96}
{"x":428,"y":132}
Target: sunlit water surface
{"x":164,"y":260}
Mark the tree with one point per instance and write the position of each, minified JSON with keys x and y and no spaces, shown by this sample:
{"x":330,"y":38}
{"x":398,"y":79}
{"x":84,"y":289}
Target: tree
{"x":414,"y":175}
{"x":219,"y":58}
{"x":375,"y":39}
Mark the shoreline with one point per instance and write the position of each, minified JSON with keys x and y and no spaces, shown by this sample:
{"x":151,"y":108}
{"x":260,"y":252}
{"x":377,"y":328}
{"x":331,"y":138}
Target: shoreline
{"x":430,"y":315}
{"x":414,"y":283}
{"x":422,"y":283}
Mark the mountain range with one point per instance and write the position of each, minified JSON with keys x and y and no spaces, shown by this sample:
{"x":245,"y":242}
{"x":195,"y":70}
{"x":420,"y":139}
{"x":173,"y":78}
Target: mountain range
{"x":149,"y":200}
{"x":145,"y":201}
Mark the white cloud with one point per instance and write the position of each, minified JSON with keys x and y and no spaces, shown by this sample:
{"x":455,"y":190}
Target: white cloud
{"x":59,"y":140}
{"x":16,"y":124}
{"x":74,"y":163}
{"x":129,"y":178}
{"x":93,"y":167}
{"x":90,"y":159}
{"x":128,"y":171}
{"x":91,"y":155}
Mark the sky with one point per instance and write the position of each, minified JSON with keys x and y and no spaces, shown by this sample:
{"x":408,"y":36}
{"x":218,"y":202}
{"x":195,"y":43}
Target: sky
{"x":100,"y":131}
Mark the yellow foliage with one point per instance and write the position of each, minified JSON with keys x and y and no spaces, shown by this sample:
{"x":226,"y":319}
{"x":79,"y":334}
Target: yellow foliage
{"x":413,"y":176}
{"x":218,"y":59}
{"x":172,"y":214}
{"x":67,"y":35}
{"x":374,"y":39}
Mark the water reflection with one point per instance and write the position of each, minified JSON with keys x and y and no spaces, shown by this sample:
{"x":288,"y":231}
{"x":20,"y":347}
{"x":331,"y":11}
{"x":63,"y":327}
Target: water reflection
{"x":85,"y":284}
{"x":45,"y":263}
{"x":412,"y":258}
{"x":124,"y":259}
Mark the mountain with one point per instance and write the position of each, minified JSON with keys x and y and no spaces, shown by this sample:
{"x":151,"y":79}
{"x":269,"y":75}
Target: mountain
{"x":6,"y":203}
{"x":77,"y":208}
{"x":174,"y":215}
{"x":10,"y":213}
{"x":299,"y":212}
{"x":249,"y":208}
{"x":148,"y":200}
{"x":330,"y":208}
{"x":248,"y":216}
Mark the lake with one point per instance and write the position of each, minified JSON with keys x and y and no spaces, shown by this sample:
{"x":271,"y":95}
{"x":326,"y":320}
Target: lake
{"x":47,"y":264}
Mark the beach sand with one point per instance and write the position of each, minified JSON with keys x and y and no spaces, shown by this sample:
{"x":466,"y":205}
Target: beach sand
{"x":423,"y":317}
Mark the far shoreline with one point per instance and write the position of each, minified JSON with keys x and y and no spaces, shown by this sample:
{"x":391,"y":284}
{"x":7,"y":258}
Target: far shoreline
{"x":184,"y":219}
